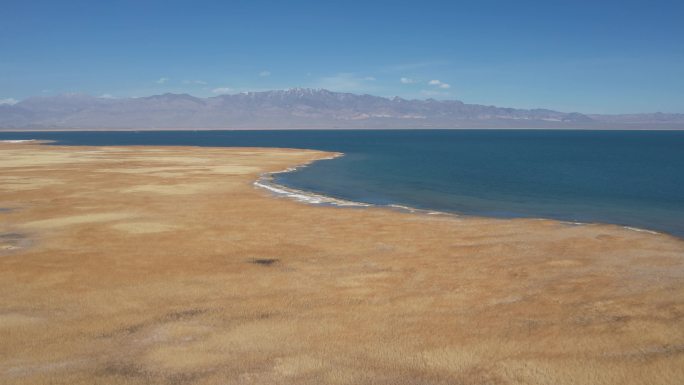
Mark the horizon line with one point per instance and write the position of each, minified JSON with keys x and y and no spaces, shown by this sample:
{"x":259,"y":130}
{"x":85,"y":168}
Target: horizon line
{"x":12,"y":102}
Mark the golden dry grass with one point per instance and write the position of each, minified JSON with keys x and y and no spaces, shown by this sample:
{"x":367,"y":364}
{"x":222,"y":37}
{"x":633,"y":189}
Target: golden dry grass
{"x":152,"y":265}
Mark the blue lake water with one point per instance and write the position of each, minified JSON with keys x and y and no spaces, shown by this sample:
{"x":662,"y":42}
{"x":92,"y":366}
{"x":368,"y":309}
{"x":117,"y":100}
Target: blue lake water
{"x":633,"y":178}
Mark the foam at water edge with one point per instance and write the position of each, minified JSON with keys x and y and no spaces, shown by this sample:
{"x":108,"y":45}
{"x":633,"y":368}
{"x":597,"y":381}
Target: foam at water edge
{"x":305,"y":197}
{"x":17,"y":140}
{"x":624,"y":227}
{"x":419,"y":211}
{"x":640,"y":230}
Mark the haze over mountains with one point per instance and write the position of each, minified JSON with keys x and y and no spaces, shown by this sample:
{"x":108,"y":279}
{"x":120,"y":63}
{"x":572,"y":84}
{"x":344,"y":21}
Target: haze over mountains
{"x":297,"y":108}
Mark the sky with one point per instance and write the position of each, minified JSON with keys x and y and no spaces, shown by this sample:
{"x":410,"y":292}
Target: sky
{"x":587,"y":56}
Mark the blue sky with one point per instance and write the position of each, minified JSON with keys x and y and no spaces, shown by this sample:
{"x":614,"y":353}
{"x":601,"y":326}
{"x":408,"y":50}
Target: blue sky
{"x":588,"y":56}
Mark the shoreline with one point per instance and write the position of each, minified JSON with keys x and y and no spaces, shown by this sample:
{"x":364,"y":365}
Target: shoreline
{"x":265,"y":181}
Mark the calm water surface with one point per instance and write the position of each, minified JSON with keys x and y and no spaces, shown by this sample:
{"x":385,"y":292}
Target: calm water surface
{"x":633,"y":178}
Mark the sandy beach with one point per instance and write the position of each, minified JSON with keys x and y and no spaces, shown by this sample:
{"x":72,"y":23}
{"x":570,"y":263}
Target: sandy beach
{"x":167,"y":265}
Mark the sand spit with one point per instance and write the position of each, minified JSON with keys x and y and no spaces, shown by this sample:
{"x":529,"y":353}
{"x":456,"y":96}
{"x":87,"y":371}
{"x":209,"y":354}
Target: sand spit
{"x":126,"y":275}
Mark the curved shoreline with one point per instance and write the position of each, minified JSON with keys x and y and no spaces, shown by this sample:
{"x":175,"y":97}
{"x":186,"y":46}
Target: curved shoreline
{"x":265,"y":181}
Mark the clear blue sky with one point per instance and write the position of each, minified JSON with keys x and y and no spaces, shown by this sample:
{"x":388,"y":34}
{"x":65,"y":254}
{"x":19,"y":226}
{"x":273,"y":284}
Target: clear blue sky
{"x":588,"y":56}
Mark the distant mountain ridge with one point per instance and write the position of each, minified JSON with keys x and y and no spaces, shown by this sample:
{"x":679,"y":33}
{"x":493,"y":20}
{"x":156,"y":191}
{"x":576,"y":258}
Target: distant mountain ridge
{"x":297,"y":108}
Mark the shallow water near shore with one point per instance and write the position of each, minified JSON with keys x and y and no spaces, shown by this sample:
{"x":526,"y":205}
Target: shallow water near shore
{"x":631,"y":178}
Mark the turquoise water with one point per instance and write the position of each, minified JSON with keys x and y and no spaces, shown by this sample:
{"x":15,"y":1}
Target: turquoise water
{"x":633,"y":178}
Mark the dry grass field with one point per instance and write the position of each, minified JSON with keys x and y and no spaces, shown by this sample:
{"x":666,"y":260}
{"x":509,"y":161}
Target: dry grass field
{"x":153,"y":265}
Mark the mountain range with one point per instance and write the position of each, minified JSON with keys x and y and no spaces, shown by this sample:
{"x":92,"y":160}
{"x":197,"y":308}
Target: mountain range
{"x":297,"y":108}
